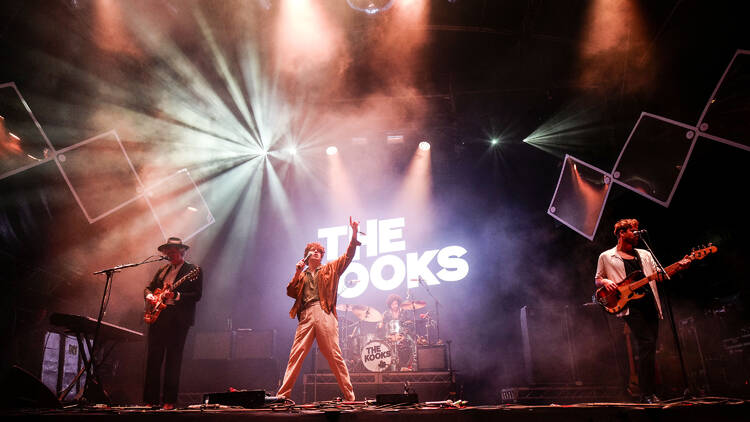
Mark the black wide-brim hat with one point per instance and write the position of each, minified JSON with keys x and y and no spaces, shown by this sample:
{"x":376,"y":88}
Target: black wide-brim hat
{"x":173,"y":241}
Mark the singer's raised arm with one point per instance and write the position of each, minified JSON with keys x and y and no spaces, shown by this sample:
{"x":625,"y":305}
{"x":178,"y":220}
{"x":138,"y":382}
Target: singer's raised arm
{"x":347,"y":258}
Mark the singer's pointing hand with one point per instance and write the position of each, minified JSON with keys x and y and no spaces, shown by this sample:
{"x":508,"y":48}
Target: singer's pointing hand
{"x":354,"y":224}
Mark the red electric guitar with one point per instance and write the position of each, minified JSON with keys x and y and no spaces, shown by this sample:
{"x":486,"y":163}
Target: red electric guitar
{"x":614,"y":301}
{"x":153,"y":309}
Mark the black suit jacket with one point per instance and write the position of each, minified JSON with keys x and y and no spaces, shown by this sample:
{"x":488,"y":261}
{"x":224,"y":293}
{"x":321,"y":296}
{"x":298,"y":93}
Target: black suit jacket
{"x":190,"y":293}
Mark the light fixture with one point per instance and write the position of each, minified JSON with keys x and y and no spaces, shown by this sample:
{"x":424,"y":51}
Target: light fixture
{"x":370,"y":7}
{"x":424,"y":145}
{"x":332,"y":150}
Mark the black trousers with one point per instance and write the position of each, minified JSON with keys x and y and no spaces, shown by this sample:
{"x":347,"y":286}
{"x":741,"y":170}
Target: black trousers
{"x":643,"y":321}
{"x":166,"y":342}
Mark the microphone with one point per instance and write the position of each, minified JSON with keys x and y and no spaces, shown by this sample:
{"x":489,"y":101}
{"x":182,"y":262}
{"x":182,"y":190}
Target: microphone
{"x":163,"y":258}
{"x":307,"y":258}
{"x":640,"y":232}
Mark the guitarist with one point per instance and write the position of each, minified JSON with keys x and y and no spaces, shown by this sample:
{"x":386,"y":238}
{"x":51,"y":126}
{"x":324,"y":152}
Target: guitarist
{"x":642,"y":315}
{"x":166,"y":336}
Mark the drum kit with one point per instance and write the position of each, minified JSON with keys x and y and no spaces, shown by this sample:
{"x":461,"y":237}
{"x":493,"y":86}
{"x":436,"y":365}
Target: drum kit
{"x":390,"y":347}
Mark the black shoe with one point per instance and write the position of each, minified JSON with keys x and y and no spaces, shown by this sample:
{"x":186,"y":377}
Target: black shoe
{"x":650,"y":399}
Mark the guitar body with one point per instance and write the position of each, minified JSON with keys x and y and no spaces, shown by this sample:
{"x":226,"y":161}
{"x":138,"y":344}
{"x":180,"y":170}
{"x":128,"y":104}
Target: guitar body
{"x":154,"y":309}
{"x":615,"y":301}
{"x":628,"y":289}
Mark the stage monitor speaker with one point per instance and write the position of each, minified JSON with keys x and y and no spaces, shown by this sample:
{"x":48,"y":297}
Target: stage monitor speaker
{"x":432,"y":358}
{"x":21,"y":390}
{"x":410,"y":398}
{"x":253,"y":344}
{"x":250,"y":399}
{"x":212,"y":345}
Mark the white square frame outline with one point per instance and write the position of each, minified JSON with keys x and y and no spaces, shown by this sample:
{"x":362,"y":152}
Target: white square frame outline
{"x":703,"y":126}
{"x":203,"y":200}
{"x":692,"y":134}
{"x":604,"y":202}
{"x":50,"y":157}
{"x":697,"y":132}
{"x":54,"y":156}
{"x":73,"y":190}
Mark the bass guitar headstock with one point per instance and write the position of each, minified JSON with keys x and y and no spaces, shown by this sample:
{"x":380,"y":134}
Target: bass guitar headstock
{"x":702,"y":252}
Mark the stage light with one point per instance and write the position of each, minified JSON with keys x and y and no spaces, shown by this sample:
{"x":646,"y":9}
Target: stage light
{"x":494,"y":141}
{"x":332,"y":150}
{"x":292,"y":151}
{"x":370,"y":7}
{"x":424,"y":145}
{"x":394,"y":139}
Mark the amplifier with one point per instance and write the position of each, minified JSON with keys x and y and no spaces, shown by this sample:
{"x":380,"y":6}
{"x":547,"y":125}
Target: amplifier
{"x":253,"y":344}
{"x":212,"y":345}
{"x":432,"y":358}
{"x":242,"y":343}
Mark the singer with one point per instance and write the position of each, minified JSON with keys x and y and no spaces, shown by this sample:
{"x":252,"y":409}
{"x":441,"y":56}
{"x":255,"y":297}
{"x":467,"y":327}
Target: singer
{"x":642,"y":315}
{"x":315,"y":291}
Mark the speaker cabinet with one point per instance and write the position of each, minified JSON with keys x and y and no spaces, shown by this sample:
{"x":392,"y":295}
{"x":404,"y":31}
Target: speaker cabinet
{"x":212,"y":345}
{"x":432,"y":358}
{"x":21,"y":390}
{"x":253,"y":344}
{"x":243,"y":343}
{"x":568,"y":345}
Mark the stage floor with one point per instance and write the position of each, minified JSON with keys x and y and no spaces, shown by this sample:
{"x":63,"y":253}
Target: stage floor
{"x":708,"y":409}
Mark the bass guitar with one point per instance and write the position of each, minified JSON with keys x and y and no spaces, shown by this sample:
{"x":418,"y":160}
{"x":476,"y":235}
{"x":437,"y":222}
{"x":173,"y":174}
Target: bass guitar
{"x":614,"y":301}
{"x":153,"y":309}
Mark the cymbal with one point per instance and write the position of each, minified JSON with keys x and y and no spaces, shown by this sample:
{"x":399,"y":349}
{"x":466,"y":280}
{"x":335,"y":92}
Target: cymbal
{"x":345,"y":307}
{"x":363,"y":312}
{"x":413,"y":304}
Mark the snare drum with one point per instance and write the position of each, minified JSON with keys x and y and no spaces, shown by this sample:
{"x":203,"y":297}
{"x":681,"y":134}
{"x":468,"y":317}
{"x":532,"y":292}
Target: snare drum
{"x":377,"y":356}
{"x":395,"y":330}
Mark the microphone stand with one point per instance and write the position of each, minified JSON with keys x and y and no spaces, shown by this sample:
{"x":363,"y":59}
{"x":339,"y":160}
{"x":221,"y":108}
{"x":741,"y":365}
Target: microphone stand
{"x":686,"y":393}
{"x":437,"y":305}
{"x":409,"y":298}
{"x":93,"y":385}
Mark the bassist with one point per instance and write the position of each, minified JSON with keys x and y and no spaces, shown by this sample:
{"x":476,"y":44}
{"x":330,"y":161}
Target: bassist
{"x":641,"y":315}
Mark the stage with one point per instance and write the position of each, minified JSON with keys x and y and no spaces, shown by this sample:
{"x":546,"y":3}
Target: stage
{"x":708,"y":408}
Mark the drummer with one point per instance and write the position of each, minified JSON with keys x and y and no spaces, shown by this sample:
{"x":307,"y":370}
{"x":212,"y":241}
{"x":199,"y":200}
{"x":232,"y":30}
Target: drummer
{"x":393,"y":308}
{"x":392,"y":311}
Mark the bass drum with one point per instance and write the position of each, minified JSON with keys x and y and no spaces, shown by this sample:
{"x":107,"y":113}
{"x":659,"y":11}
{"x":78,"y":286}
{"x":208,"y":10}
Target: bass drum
{"x":377,"y":356}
